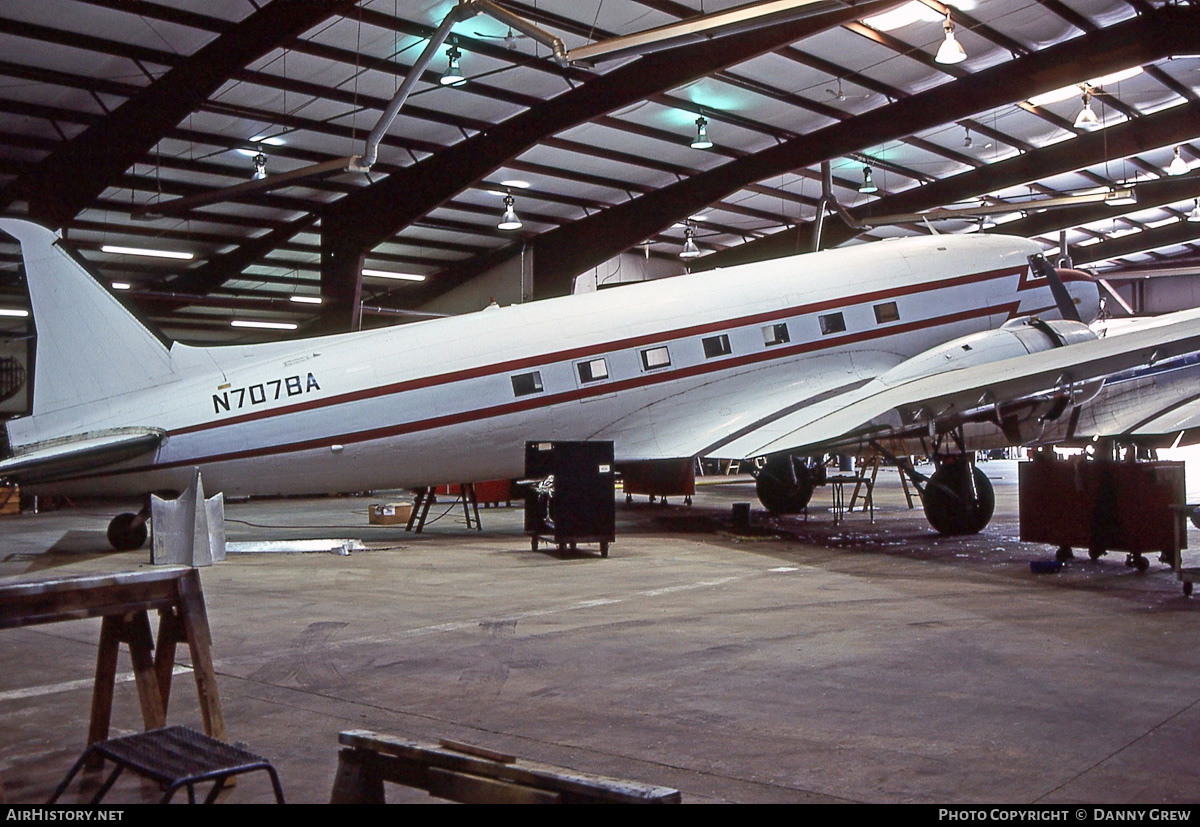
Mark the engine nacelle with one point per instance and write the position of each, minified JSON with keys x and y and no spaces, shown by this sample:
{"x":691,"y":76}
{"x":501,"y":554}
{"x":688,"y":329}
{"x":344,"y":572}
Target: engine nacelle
{"x":1018,"y":337}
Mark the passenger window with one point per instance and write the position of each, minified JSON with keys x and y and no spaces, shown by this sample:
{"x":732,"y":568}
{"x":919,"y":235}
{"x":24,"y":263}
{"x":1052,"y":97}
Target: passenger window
{"x":656,"y":357}
{"x":775,"y":334}
{"x":885,"y":313}
{"x":716,"y":346}
{"x":593,"y":370}
{"x":832,"y":323}
{"x":527,"y":383}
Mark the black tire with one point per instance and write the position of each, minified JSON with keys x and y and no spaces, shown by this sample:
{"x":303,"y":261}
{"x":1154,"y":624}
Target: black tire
{"x":783,"y":485}
{"x":959,"y":499}
{"x":125,"y":533}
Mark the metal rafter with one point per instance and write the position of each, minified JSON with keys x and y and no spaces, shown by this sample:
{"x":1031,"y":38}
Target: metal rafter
{"x":65,"y":182}
{"x":369,"y":217}
{"x":561,"y":254}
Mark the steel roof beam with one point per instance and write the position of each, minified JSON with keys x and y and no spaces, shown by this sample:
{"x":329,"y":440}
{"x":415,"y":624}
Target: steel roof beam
{"x":68,"y":180}
{"x":1165,"y":127}
{"x":563,"y":253}
{"x":362,"y":220}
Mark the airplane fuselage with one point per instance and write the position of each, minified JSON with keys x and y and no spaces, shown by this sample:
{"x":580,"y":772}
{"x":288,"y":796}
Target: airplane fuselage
{"x":664,"y":369}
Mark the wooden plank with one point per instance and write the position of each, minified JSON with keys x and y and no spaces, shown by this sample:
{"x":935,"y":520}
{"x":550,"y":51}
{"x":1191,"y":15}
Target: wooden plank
{"x":71,"y":598}
{"x":575,"y":785}
{"x":141,"y":651}
{"x":471,"y":789}
{"x":106,"y":675}
{"x":195,"y":623}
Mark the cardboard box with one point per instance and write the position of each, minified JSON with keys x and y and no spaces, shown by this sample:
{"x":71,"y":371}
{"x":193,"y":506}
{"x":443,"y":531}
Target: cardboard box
{"x":10,"y":499}
{"x":389,"y":513}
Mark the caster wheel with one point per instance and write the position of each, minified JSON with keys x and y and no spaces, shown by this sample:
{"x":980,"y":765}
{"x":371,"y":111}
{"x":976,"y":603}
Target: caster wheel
{"x":1064,"y":554}
{"x":533,"y":543}
{"x":1096,"y":553}
{"x":1141,"y":563}
{"x":628,"y":499}
{"x":604,"y":553}
{"x":1187,"y":589}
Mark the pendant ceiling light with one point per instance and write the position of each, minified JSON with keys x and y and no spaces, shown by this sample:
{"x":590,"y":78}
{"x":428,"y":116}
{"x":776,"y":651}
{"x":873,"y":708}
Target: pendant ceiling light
{"x":690,"y":250}
{"x":453,"y":75}
{"x":1087,"y":119}
{"x":951,"y":51}
{"x":701,"y":141}
{"x":868,"y":184}
{"x":509,"y":220}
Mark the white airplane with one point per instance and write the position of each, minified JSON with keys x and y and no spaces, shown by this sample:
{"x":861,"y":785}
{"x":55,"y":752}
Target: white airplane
{"x":778,"y":360}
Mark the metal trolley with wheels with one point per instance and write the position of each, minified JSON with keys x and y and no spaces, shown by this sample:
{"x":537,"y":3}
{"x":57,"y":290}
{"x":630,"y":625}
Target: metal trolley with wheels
{"x":569,"y":498}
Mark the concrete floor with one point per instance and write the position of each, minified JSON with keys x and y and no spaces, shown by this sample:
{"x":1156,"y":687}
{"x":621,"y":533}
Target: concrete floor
{"x":817,"y":663}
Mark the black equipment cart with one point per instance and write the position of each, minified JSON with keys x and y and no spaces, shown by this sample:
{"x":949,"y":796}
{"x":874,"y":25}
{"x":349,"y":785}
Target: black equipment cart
{"x":571,"y":500}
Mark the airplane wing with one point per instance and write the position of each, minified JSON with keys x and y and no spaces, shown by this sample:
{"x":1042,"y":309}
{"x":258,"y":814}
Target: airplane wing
{"x":912,"y":406}
{"x":43,"y":462}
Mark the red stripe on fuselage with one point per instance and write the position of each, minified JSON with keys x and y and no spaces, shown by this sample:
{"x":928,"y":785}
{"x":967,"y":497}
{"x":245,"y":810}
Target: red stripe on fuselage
{"x":599,"y":349}
{"x":575,"y":394}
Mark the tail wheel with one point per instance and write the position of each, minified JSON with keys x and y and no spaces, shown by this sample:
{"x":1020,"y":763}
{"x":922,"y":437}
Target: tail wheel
{"x":959,"y":499}
{"x":127,"y":532}
{"x":784,"y":485}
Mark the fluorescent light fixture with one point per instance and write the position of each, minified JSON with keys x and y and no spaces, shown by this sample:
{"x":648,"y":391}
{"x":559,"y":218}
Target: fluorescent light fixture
{"x":121,"y":285}
{"x":909,"y":13}
{"x":388,"y":274}
{"x":1178,"y":165}
{"x":1121,"y":197}
{"x":305,"y":299}
{"x":1056,"y":95}
{"x":142,"y":251}
{"x":516,"y":183}
{"x":509,"y":220}
{"x":701,"y":141}
{"x":259,"y":139}
{"x":951,"y":50}
{"x":698,"y":217}
{"x":263,"y":325}
{"x":16,"y":314}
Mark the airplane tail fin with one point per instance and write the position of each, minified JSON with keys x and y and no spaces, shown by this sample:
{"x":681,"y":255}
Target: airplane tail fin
{"x":89,"y":346}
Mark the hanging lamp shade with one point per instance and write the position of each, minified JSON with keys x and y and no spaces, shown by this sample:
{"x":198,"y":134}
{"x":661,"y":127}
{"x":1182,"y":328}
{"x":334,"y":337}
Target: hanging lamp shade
{"x":1087,"y":119}
{"x":951,"y":51}
{"x":509,"y":220}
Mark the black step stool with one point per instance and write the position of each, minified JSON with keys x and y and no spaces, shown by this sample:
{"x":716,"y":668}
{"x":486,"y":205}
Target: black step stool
{"x":175,"y":757}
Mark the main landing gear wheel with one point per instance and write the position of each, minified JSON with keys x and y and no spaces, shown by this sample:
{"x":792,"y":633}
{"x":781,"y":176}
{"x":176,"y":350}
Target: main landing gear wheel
{"x":127,"y":532}
{"x":784,"y":485}
{"x":959,"y":499}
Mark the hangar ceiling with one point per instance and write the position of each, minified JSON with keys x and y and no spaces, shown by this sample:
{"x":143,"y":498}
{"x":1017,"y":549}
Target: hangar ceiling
{"x":111,"y":109}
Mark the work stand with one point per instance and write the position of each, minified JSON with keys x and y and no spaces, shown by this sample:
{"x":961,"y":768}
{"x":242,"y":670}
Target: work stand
{"x":174,"y":757}
{"x":124,"y":602}
{"x":425,"y":498}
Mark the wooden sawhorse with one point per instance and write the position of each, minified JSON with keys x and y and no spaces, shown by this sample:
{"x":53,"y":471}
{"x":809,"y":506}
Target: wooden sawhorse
{"x":471,"y":775}
{"x":124,"y":601}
